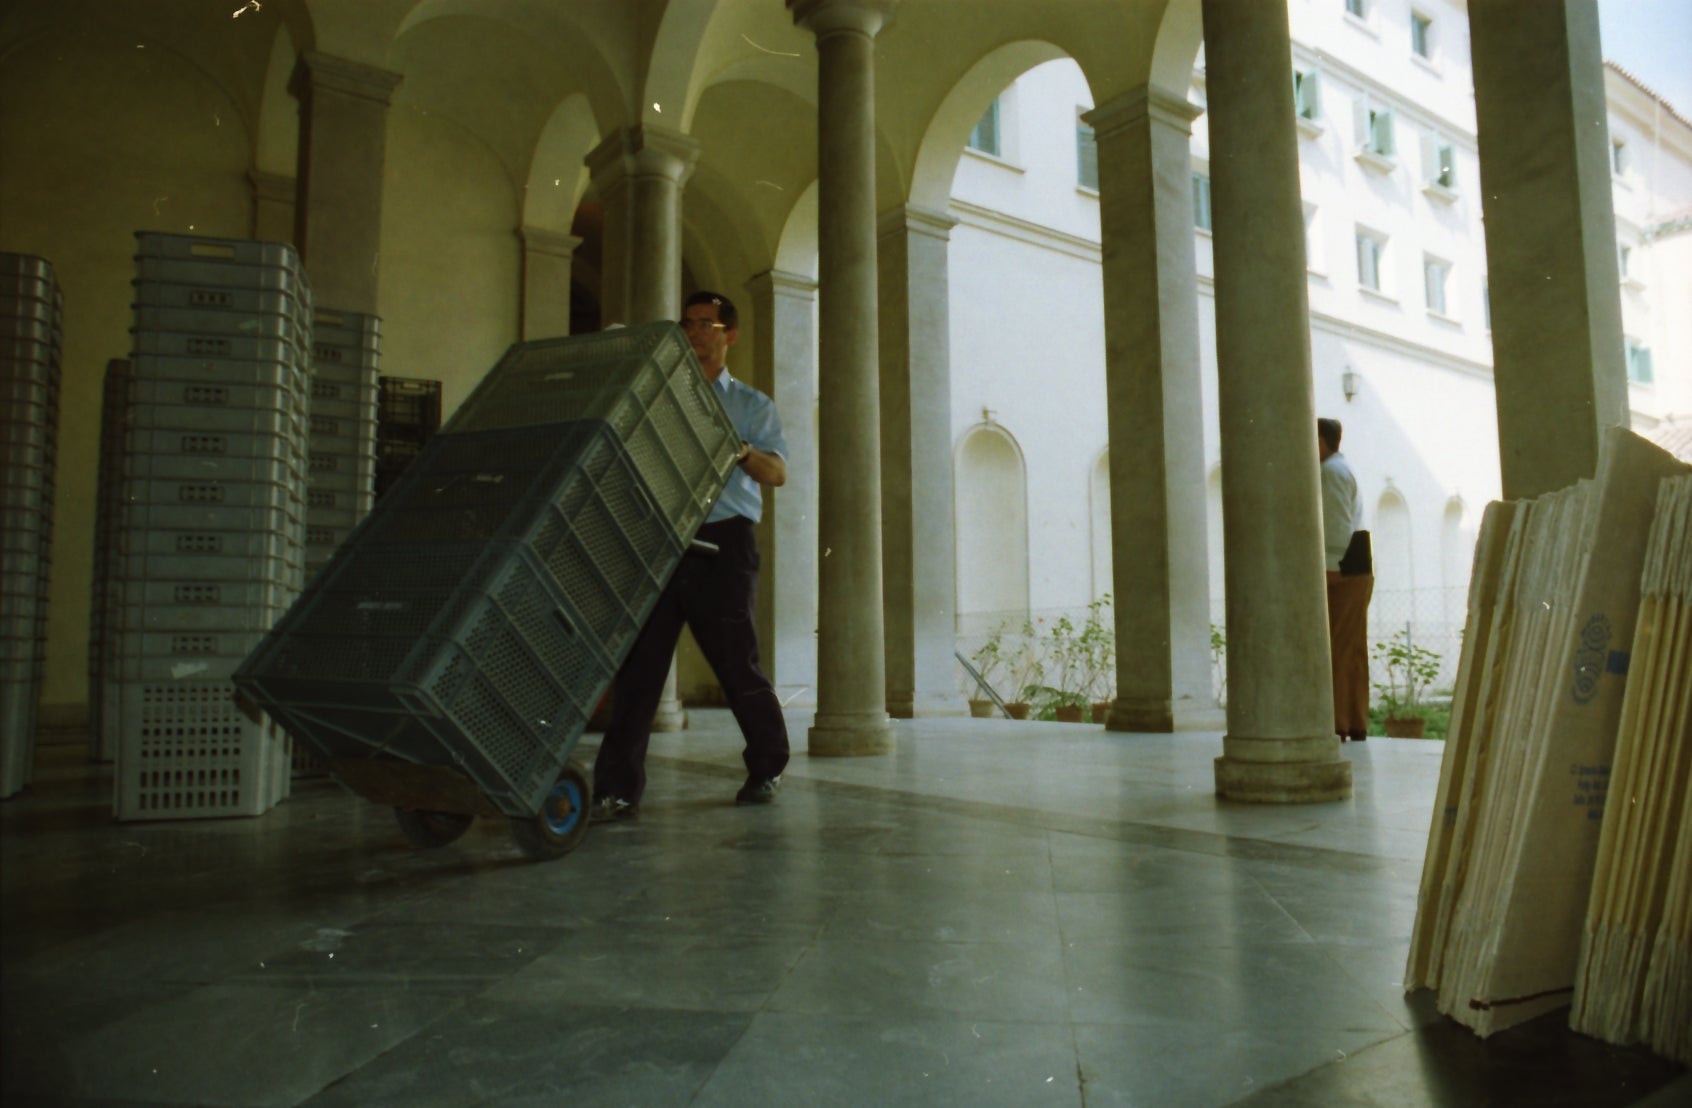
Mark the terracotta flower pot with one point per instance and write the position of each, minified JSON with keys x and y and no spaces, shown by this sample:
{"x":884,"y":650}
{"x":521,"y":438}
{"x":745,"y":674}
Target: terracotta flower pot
{"x":1069,"y":713}
{"x":1018,"y":709}
{"x":1410,"y":727}
{"x":981,"y":709}
{"x":1101,"y":711}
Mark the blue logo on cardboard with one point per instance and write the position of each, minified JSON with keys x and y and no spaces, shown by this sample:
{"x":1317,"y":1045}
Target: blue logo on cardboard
{"x":1591,"y":654}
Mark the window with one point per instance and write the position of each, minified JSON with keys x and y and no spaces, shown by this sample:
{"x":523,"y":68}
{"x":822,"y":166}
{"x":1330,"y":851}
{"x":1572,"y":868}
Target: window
{"x":1439,"y":162}
{"x":1201,"y":201}
{"x":1371,"y":258}
{"x":1086,"y":155}
{"x":1421,"y":35}
{"x":985,"y":137}
{"x":1373,"y":125}
{"x":1624,"y":255}
{"x":1436,"y":274}
{"x":1638,"y":363}
{"x":1314,"y":246}
{"x":1307,"y":94}
{"x":1619,"y":160}
{"x":1358,"y":9}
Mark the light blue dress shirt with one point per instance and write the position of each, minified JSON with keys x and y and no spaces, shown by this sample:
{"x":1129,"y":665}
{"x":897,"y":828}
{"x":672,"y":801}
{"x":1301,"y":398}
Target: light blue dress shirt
{"x":754,"y":417}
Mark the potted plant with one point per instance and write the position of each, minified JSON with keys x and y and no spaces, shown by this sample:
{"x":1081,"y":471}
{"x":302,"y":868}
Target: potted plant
{"x":1410,"y":669}
{"x":1025,"y":667}
{"x":988,"y":659}
{"x":1098,"y":638}
{"x":1066,"y":671}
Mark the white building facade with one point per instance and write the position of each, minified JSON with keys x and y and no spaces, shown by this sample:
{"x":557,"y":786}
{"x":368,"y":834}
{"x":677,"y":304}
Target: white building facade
{"x":1399,"y":314}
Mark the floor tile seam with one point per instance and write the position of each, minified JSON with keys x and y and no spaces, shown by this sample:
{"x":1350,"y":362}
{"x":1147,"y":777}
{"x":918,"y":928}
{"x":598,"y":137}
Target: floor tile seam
{"x":1129,"y":831}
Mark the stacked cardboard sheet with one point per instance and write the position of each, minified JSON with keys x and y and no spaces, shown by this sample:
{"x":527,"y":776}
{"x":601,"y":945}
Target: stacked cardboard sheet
{"x":1511,"y":851}
{"x":1634,"y":979}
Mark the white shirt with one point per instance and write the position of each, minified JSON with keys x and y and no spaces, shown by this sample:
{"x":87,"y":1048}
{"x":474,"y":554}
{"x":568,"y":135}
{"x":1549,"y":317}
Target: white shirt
{"x":1342,"y":508}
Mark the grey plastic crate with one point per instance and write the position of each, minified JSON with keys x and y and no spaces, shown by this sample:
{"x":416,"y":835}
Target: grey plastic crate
{"x":478,"y":614}
{"x":231,"y":422}
{"x":187,"y":751}
{"x":643,"y":382}
{"x":283,"y":326}
{"x":231,"y":347}
{"x":282,"y":374}
{"x":219,"y":297}
{"x":223,"y":395}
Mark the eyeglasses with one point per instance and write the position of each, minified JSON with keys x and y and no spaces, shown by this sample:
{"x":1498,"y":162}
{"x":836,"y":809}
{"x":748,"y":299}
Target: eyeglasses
{"x":692,"y":325}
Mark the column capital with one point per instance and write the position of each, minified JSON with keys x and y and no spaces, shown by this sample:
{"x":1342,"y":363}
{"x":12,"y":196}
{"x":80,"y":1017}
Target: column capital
{"x":326,"y":71}
{"x":912,"y":219}
{"x":780,"y":281}
{"x":827,"y":17}
{"x":541,"y":240}
{"x":1146,"y":102}
{"x":644,"y":151}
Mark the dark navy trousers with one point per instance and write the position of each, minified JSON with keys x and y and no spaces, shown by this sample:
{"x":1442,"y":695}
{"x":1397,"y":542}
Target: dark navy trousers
{"x":713,"y":595}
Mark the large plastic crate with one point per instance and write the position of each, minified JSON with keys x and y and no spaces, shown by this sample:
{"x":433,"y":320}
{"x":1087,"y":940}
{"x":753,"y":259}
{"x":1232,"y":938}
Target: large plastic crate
{"x":476,"y":617}
{"x":31,"y":336}
{"x":642,"y":382}
{"x":188,"y":752}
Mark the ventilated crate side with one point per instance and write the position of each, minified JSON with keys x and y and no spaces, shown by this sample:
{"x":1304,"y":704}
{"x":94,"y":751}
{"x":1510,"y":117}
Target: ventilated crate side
{"x":477,"y":617}
{"x":187,"y":751}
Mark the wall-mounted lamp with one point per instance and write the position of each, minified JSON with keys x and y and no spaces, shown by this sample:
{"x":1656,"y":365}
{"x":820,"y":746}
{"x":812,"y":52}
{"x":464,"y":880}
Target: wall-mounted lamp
{"x":1350,"y":382}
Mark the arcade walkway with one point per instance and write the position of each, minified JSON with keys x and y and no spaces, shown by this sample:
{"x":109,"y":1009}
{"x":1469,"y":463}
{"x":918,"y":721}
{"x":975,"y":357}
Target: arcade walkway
{"x":997,"y":914}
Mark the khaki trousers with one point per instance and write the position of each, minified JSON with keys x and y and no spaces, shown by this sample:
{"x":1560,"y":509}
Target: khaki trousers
{"x":1348,"y":635}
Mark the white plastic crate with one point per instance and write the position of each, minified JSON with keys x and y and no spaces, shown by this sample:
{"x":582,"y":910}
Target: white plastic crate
{"x":186,"y":751}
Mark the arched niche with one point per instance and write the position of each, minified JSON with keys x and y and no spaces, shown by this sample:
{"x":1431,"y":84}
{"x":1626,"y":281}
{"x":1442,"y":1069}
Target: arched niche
{"x":991,"y":494}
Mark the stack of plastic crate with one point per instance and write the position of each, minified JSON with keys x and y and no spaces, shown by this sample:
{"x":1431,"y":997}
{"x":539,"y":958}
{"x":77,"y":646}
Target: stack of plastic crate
{"x":409,"y":414}
{"x":212,"y":535}
{"x":31,"y":340}
{"x":104,"y":718}
{"x":342,"y":452}
{"x":471,"y":624}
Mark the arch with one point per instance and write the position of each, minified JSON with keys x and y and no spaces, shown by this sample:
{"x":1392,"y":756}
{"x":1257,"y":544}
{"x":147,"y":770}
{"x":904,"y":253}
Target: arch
{"x":948,"y":129}
{"x":276,"y":135}
{"x":991,"y":497}
{"x":1456,"y":557}
{"x":1392,"y":605}
{"x":1101,"y":525}
{"x":1216,"y":546}
{"x":558,"y":174}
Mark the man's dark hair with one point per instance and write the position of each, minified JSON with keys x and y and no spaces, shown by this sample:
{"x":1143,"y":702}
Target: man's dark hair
{"x":726,"y":313}
{"x":1329,"y":432}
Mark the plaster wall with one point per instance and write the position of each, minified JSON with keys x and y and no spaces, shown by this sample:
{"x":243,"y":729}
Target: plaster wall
{"x":451,"y":259}
{"x":104,"y":137}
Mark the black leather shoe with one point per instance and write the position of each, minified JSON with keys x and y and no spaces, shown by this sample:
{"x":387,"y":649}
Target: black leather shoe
{"x":757,"y":790}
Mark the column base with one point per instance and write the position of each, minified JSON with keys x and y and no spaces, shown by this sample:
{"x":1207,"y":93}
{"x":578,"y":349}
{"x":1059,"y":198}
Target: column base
{"x":1135,"y":714}
{"x":844,"y":735}
{"x":1283,"y":782}
{"x":925,"y":705}
{"x":671,"y":716}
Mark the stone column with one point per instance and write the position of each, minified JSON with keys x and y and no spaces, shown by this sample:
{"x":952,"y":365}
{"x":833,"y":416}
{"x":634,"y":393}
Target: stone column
{"x":851,"y":665}
{"x":1280,"y":745}
{"x":1558,"y":364}
{"x":273,"y":206}
{"x":1158,"y":556}
{"x":544,"y":308}
{"x":343,"y":143}
{"x":784,"y":367}
{"x":917,"y":543}
{"x":641,"y":171}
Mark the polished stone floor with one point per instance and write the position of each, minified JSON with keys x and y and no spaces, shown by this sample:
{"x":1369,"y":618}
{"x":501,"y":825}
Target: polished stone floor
{"x":997,"y":914}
